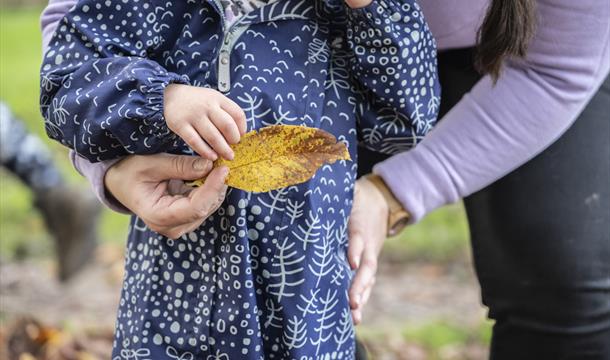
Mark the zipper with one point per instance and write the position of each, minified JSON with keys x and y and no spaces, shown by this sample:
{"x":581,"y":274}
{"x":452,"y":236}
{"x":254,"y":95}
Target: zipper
{"x":230,"y":37}
{"x":223,"y":20}
{"x":224,"y":55}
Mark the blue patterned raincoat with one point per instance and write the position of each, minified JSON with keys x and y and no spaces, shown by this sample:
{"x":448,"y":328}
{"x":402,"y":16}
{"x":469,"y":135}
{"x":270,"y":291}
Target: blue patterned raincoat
{"x":265,"y":277}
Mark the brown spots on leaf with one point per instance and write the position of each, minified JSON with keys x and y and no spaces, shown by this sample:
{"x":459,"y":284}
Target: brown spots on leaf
{"x":279,"y":156}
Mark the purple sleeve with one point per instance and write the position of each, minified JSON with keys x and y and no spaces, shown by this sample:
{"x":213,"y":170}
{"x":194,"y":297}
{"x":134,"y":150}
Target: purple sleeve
{"x":94,"y":172}
{"x":495,"y":129}
{"x":55,"y":11}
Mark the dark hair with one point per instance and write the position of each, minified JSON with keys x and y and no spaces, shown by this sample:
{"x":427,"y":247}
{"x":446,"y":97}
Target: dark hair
{"x":508,"y":27}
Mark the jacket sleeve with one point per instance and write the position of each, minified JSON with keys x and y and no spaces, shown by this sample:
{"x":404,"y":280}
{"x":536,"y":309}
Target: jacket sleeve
{"x":494,"y":129}
{"x":100,"y":94}
{"x":93,"y":172}
{"x":394,"y":66}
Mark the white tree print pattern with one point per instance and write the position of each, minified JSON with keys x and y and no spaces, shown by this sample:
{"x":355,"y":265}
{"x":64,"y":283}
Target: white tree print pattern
{"x":265,"y":277}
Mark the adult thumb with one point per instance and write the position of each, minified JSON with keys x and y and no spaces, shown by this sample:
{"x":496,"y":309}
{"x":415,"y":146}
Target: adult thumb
{"x":183,"y":167}
{"x":212,"y":191}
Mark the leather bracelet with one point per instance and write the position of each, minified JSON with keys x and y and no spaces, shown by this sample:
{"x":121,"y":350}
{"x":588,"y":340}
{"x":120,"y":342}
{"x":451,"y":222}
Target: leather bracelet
{"x":398,"y":217}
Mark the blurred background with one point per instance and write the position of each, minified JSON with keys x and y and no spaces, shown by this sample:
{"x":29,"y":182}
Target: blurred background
{"x":425,"y":305}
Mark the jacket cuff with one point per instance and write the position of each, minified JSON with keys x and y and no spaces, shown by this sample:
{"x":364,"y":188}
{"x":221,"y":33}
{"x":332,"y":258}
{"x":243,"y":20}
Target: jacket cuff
{"x":95,"y":173}
{"x":154,"y":90}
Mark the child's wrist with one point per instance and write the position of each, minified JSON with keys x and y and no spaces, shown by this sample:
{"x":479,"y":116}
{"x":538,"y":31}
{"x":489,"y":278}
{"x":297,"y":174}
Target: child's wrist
{"x":170,"y":96}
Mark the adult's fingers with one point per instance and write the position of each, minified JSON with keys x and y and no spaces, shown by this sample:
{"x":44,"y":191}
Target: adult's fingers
{"x":364,"y":275}
{"x":178,"y":231}
{"x":199,"y":204}
{"x":225,"y":124}
{"x":355,"y":230}
{"x":357,"y":316}
{"x":356,"y":241}
{"x":178,"y":187}
{"x":364,"y":298}
{"x":174,"y":211}
{"x":167,"y":166}
{"x":366,"y":293}
{"x":210,"y":195}
{"x":236,"y":113}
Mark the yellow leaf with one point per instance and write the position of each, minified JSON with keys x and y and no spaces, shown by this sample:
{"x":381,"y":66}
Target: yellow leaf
{"x":279,"y":156}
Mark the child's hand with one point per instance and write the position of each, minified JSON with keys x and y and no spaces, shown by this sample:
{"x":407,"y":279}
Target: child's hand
{"x":197,"y":114}
{"x":355,"y":4}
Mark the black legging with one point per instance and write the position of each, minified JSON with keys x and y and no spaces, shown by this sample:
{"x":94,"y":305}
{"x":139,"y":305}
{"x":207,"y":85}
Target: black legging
{"x":541,"y":236}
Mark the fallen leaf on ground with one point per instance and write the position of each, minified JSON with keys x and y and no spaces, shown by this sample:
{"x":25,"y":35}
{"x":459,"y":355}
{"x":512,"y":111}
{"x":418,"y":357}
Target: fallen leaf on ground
{"x":279,"y":156}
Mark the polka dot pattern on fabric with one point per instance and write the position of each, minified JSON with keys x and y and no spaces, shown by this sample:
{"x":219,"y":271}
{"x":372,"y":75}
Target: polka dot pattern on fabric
{"x":266,"y":276}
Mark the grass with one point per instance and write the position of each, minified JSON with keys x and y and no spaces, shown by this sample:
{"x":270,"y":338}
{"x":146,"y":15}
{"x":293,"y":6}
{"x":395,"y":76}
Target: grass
{"x":22,"y":230}
{"x":438,"y":334}
{"x":441,"y":236}
{"x":436,"y":339}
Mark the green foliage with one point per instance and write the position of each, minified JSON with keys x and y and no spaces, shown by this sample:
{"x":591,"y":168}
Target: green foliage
{"x":437,"y":338}
{"x":20,"y":58}
{"x":435,"y":335}
{"x":441,"y":236}
{"x":484,"y":331}
{"x":22,"y":231}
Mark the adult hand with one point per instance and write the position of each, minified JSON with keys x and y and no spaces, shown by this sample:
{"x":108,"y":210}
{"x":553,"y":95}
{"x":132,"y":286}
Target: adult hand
{"x":146,"y":186}
{"x":367,"y":230}
{"x":355,"y":4}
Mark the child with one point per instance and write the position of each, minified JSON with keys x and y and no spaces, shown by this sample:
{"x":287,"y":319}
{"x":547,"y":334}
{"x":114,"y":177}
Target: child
{"x":266,"y":275}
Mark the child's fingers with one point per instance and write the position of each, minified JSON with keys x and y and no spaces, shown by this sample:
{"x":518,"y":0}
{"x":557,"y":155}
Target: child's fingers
{"x":236,"y":112}
{"x":225,"y":123}
{"x":194,"y":140}
{"x":214,"y":138}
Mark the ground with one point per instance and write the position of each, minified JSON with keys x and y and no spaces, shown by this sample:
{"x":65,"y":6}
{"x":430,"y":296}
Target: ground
{"x":422,"y":310}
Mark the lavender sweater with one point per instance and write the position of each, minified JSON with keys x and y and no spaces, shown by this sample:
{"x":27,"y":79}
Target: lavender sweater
{"x":493,"y":129}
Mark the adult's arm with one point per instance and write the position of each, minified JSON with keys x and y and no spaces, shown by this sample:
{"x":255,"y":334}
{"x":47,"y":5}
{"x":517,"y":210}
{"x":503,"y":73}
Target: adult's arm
{"x":55,"y":11}
{"x":93,"y":172}
{"x":495,"y":129}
